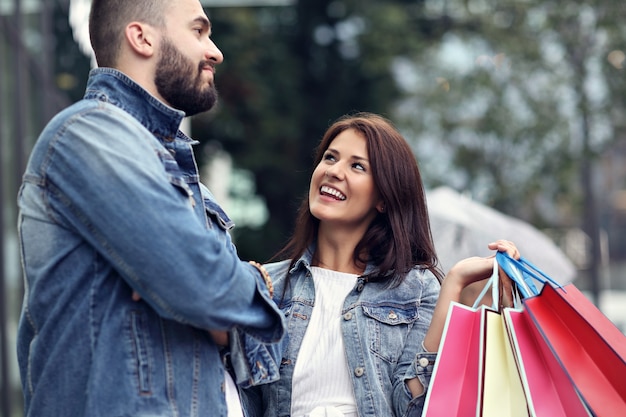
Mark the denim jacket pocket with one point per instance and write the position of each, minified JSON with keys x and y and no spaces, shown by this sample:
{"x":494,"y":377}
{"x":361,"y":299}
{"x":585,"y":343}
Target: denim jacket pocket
{"x":173,"y":173}
{"x":389,"y":326}
{"x":214,"y":211}
{"x":140,"y":347}
{"x":218,"y":215}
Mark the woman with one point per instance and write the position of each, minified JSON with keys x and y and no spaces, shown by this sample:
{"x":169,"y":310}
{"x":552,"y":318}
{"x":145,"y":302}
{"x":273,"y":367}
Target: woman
{"x":360,"y":288}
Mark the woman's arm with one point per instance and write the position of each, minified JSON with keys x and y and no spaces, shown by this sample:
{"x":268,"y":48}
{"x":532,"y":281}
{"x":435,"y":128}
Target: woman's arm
{"x":461,"y":275}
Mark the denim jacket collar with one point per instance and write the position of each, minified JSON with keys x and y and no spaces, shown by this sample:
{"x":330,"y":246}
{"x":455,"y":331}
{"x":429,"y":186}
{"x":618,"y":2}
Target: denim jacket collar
{"x":307,"y":258}
{"x":113,"y":86}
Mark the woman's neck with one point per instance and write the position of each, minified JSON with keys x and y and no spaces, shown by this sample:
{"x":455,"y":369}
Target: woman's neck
{"x":337,"y":253}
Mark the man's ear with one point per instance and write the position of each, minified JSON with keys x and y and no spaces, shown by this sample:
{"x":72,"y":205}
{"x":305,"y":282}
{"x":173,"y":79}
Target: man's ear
{"x":140,"y":38}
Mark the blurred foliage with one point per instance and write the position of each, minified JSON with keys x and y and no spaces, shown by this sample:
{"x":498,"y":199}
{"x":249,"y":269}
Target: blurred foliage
{"x":518,"y":95}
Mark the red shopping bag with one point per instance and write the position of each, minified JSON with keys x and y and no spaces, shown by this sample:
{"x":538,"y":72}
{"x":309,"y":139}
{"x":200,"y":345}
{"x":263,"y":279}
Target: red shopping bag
{"x":589,"y":347}
{"x":549,"y":391}
{"x":453,"y":388}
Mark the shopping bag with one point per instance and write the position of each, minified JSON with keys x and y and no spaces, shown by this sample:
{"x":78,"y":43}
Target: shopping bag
{"x":587,"y":345}
{"x":453,"y":388}
{"x":548,"y":389}
{"x":475,"y":373}
{"x":456,"y":380}
{"x":502,"y":392}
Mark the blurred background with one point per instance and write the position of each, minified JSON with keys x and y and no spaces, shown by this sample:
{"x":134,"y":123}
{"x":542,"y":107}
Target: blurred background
{"x":513,"y":108}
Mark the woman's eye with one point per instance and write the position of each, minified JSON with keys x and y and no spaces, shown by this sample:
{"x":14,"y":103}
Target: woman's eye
{"x":358,"y":166}
{"x":329,"y":157}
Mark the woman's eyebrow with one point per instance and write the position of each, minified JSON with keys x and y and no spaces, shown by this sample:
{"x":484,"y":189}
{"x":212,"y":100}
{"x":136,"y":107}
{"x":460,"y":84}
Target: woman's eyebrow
{"x":356,"y":157}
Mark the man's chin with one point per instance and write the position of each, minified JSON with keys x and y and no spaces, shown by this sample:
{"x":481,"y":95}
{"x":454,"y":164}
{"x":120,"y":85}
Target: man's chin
{"x":192,"y":111}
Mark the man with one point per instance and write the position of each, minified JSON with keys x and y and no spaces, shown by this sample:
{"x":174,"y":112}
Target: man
{"x":111,"y":206}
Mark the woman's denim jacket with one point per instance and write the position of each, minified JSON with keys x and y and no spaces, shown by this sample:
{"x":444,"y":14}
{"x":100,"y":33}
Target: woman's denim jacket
{"x":110,"y":203}
{"x":383,"y":330}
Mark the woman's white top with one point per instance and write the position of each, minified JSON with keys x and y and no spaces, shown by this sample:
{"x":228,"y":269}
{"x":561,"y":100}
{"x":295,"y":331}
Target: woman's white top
{"x":321,"y":385}
{"x":233,"y":403}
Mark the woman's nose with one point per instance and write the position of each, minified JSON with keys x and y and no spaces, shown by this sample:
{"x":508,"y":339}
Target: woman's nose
{"x":334,"y":171}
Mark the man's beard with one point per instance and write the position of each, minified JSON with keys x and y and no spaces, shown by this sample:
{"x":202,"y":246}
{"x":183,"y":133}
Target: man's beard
{"x":181,"y":84}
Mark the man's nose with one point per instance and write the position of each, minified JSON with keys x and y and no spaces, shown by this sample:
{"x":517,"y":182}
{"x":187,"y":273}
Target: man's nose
{"x":213,"y":53}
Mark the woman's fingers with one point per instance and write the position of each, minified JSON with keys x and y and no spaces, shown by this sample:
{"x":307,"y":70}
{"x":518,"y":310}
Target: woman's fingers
{"x":505,"y":246}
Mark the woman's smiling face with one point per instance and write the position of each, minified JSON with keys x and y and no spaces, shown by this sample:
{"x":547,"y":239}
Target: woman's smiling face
{"x":342,"y":190}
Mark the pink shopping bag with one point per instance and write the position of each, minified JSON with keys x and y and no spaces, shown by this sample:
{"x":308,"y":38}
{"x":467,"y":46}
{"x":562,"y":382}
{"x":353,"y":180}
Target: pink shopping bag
{"x":454,"y":385}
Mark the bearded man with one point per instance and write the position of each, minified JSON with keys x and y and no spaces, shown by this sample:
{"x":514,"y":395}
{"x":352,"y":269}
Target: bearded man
{"x":131,"y":279}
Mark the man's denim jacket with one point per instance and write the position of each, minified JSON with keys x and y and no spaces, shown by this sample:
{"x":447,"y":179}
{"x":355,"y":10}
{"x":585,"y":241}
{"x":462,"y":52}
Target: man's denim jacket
{"x":383,"y":331}
{"x":110,"y":203}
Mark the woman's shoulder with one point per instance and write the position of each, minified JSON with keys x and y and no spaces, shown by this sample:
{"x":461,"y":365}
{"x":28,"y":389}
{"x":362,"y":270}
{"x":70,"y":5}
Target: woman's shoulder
{"x":279,"y":267}
{"x":419,"y":277}
{"x":419,"y":281}
{"x":423,"y":273}
{"x":278,"y":272}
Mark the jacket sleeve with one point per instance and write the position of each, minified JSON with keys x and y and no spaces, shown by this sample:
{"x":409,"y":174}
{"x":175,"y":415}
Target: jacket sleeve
{"x":107,"y":179}
{"x":415,"y":362}
{"x":254,"y":361}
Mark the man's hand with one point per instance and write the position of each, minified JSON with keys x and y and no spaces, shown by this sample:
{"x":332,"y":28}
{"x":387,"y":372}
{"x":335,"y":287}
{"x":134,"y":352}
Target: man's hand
{"x":220,"y":337}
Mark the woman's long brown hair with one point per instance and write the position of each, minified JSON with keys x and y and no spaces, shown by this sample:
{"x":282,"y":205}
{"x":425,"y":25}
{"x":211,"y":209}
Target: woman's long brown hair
{"x":398,"y":239}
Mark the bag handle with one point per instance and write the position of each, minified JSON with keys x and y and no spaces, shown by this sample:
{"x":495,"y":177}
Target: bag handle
{"x":522,"y":272}
{"x":492,"y":282}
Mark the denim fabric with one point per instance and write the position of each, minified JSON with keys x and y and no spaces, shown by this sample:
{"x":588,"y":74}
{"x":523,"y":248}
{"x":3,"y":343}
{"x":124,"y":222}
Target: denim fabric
{"x":383,"y":330}
{"x":110,"y":203}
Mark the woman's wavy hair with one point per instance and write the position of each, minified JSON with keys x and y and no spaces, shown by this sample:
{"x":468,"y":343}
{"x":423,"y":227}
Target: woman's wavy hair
{"x":397,"y":239}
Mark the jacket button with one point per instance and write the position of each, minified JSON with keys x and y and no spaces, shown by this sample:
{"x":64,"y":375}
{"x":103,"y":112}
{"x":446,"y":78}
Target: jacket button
{"x":423,"y":362}
{"x":393,"y":315}
{"x":359,"y":371}
{"x":347,"y":316}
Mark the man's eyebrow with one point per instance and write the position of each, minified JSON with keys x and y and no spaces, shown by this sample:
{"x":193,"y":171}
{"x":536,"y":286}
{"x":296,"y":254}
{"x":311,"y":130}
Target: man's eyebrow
{"x":206,"y":23}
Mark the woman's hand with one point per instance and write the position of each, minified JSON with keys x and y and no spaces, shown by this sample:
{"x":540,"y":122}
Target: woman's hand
{"x":472,"y":284}
{"x":470,"y":270}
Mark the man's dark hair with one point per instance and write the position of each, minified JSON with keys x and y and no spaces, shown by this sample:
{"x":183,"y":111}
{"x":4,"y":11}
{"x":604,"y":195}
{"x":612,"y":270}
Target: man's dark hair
{"x":108,"y":19}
